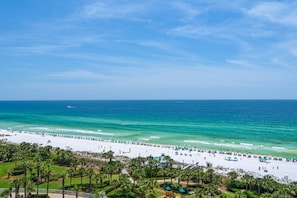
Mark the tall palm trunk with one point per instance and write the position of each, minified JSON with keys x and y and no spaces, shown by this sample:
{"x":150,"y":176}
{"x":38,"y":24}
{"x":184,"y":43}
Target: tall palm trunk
{"x":25,"y":182}
{"x":63,"y":187}
{"x":47,"y":185}
{"x":38,"y":180}
{"x":81,"y":176}
{"x":70,"y":177}
{"x":90,"y":183}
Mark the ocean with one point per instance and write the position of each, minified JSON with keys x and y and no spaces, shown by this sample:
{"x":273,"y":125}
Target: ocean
{"x":267,"y":127}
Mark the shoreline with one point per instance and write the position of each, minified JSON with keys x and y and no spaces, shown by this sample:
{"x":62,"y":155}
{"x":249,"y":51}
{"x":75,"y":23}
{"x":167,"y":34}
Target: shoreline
{"x":222,"y":161}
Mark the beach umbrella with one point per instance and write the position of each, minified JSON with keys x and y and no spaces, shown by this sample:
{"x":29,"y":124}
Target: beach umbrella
{"x":181,"y":190}
{"x":167,"y":188}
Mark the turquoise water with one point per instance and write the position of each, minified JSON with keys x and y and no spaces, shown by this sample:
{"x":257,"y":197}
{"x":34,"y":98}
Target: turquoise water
{"x":253,"y":126}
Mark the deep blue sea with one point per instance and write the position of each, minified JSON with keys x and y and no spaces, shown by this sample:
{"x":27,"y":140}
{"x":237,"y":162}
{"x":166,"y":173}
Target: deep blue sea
{"x":252,"y":126}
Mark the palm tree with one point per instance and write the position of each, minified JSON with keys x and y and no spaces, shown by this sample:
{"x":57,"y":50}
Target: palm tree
{"x":25,"y":165}
{"x":240,"y":194}
{"x":199,"y":192}
{"x":10,"y":191}
{"x":63,"y":175}
{"x":24,"y":180}
{"x":211,"y":190}
{"x":186,"y":174}
{"x":5,"y":193}
{"x":208,"y":176}
{"x":104,"y":155}
{"x":292,"y":189}
{"x":125,"y":183}
{"x":81,"y":172}
{"x":248,"y":180}
{"x":164,"y":173}
{"x":30,"y":187}
{"x":259,"y":183}
{"x":76,"y":190}
{"x":232,"y":175}
{"x":169,"y":161}
{"x":136,"y":173}
{"x":281,"y":193}
{"x":217,"y":179}
{"x":110,"y":168}
{"x":266,"y":195}
{"x":109,"y":155}
{"x":151,"y":184}
{"x":30,"y":166}
{"x":90,"y":173}
{"x":171,"y":173}
{"x":152,"y":194}
{"x":16,"y":184}
{"x":100,"y":176}
{"x":152,"y":163}
{"x":141,"y":189}
{"x":70,"y":173}
{"x":37,"y":165}
{"x":197,"y":175}
{"x":177,"y":173}
{"x":100,"y":194}
{"x":10,"y":151}
{"x":268,"y":184}
{"x":47,"y":175}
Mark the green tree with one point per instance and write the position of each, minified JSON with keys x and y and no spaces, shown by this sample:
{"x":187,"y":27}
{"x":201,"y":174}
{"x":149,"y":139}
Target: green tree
{"x":152,"y":194}
{"x":16,"y":184}
{"x":81,"y":171}
{"x":76,"y":190}
{"x":47,"y":172}
{"x":100,"y":176}
{"x":110,"y":155}
{"x":169,"y":161}
{"x":63,"y":176}
{"x":212,"y":190}
{"x":164,"y":173}
{"x":30,"y":187}
{"x":152,"y":164}
{"x":5,"y":193}
{"x":248,"y":180}
{"x":125,"y":183}
{"x":186,"y":174}
{"x":233,"y":176}
{"x":268,"y":184}
{"x":37,"y":165}
{"x":291,"y":189}
{"x":240,"y":194}
{"x":71,"y":174}
{"x":136,"y":173}
{"x":90,"y":172}
{"x":199,"y":192}
{"x":25,"y":165}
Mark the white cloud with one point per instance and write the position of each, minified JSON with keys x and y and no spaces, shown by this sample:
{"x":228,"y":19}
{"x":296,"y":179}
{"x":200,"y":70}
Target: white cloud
{"x":276,"y":12}
{"x":242,"y":63}
{"x":77,"y":74}
{"x":109,"y":9}
{"x":187,"y":9}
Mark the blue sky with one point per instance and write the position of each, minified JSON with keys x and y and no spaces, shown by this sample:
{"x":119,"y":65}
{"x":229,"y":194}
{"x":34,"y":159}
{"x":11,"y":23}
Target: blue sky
{"x":175,"y":49}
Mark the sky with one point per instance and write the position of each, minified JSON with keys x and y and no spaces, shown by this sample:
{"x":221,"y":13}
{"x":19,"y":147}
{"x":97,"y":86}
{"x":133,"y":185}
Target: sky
{"x":156,"y":49}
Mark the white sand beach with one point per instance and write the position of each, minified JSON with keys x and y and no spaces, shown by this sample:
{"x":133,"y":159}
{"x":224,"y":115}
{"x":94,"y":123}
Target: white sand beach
{"x":251,"y":164}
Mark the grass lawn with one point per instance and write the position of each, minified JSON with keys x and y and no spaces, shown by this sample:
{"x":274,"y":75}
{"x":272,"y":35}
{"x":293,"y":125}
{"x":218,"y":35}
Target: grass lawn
{"x":4,"y":181}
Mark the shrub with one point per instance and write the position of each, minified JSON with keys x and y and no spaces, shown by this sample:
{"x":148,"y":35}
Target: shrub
{"x":38,"y":196}
{"x":17,"y":171}
{"x":250,"y":194}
